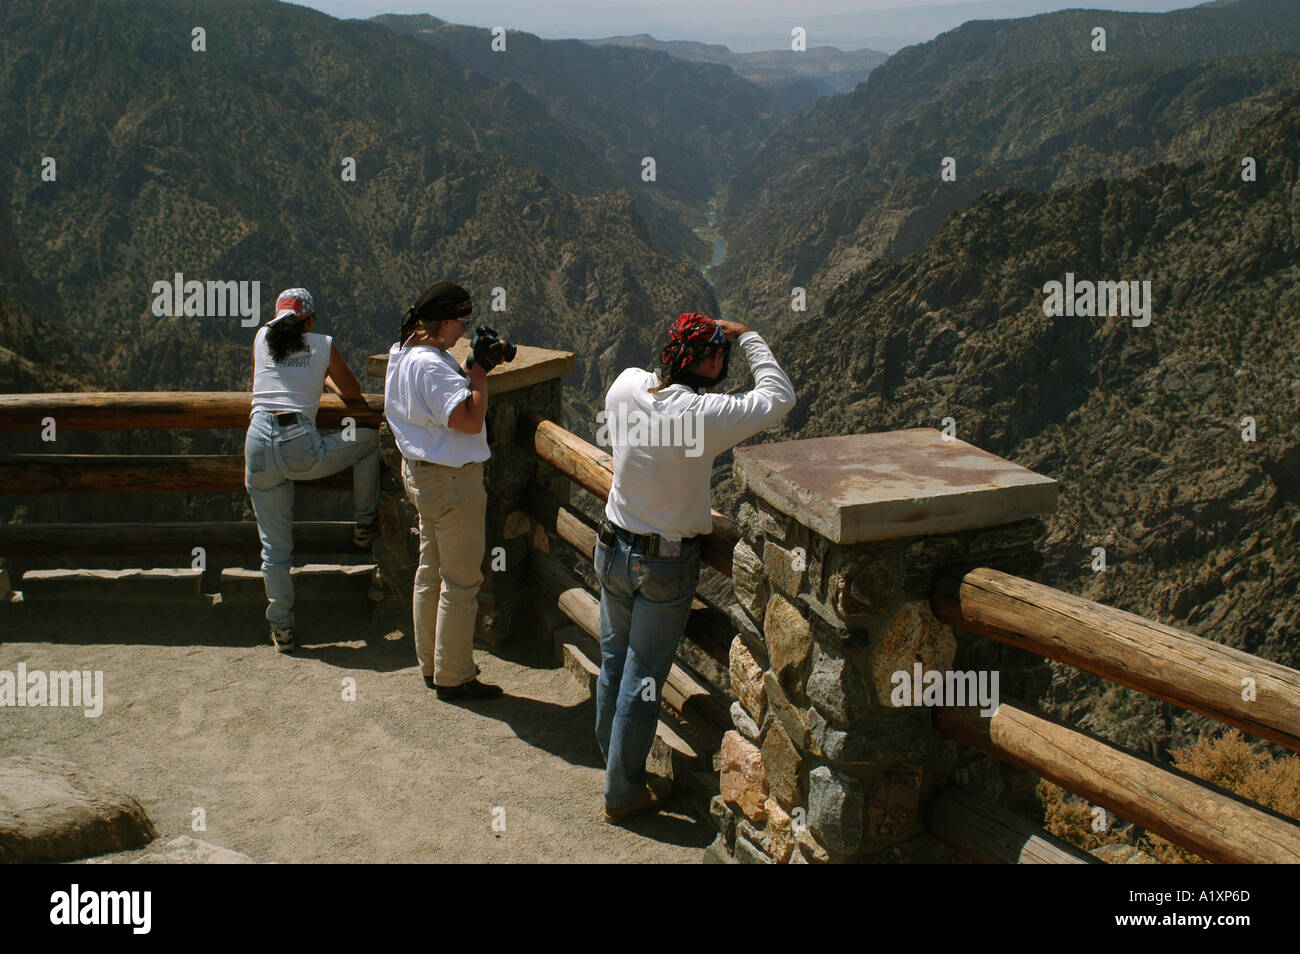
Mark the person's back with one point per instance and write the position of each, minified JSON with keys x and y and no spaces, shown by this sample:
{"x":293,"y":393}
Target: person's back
{"x":664,"y":443}
{"x":292,"y":365}
{"x":296,"y":381}
{"x":665,"y":436}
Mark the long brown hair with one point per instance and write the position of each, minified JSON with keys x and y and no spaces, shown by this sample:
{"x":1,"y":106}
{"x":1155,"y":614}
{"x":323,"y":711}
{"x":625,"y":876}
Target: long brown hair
{"x":286,"y":337}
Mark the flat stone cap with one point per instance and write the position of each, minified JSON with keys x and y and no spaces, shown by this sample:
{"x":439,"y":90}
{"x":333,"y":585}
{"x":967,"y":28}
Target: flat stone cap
{"x":531,"y":366}
{"x":892,"y":484}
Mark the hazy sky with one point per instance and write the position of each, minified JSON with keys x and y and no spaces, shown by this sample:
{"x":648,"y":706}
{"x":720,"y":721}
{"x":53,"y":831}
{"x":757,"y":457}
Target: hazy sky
{"x":741,"y":24}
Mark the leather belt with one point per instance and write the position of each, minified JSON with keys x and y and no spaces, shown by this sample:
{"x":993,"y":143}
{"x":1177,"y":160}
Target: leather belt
{"x":608,"y":533}
{"x":416,"y":462}
{"x":286,"y":418}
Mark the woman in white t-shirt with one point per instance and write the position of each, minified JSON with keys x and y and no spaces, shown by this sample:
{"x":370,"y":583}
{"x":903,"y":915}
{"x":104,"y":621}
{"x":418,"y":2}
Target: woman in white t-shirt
{"x":435,"y":408}
{"x":292,"y":365}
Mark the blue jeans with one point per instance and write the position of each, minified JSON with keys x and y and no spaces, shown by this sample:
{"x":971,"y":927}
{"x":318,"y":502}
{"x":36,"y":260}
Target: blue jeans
{"x":275,"y":456}
{"x":644,"y":605}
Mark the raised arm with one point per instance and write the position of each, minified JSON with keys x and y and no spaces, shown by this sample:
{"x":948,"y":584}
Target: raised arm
{"x":732,"y":418}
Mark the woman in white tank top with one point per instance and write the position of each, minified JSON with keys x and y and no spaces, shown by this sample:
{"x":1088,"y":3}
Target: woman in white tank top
{"x":292,"y":365}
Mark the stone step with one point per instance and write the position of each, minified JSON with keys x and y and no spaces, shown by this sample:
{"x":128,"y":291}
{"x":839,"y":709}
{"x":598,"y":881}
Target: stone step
{"x":572,"y":642}
{"x":315,"y":582}
{"x":51,"y":587}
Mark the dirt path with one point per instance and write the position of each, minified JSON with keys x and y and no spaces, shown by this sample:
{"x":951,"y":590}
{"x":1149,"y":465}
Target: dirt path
{"x":201,"y":712}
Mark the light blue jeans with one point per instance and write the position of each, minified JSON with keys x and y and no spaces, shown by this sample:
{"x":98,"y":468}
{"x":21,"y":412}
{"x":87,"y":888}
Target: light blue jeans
{"x":275,"y":456}
{"x":644,"y":605}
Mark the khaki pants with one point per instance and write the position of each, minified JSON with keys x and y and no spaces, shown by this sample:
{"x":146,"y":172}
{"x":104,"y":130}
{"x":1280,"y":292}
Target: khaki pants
{"x":453,"y":509}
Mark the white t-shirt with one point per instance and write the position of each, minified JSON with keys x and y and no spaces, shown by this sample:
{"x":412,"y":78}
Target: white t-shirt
{"x":297,"y":382}
{"x":662,"y":469}
{"x":422,"y":386}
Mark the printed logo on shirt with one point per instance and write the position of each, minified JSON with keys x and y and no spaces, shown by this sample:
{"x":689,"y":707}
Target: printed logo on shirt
{"x":299,"y":359}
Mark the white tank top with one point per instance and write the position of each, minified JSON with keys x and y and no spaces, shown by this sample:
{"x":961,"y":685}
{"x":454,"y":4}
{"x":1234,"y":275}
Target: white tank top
{"x":294,"y":384}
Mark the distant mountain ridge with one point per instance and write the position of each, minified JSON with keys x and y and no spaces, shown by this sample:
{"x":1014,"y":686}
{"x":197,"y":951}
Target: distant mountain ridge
{"x":697,"y":120}
{"x":797,"y":78}
{"x":857,"y":177}
{"x":227,"y":165}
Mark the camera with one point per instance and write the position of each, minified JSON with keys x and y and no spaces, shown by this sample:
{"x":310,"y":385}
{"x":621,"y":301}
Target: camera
{"x":489,"y":349}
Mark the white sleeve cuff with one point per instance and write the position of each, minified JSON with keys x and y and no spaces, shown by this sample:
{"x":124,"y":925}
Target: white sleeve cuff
{"x":451,"y":404}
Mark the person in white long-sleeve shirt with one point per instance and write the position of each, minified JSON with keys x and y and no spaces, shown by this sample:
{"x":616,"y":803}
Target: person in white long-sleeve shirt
{"x":665,"y":430}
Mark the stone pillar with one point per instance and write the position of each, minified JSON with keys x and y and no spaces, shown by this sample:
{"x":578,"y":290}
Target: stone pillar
{"x":529,"y":385}
{"x":841,"y":538}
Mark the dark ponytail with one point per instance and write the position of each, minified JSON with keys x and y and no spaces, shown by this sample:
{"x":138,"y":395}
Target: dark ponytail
{"x":286,"y":337}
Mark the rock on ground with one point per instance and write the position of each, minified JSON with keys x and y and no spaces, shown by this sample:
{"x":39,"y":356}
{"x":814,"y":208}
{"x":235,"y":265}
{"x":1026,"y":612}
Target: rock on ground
{"x":51,"y":810}
{"x":179,"y":851}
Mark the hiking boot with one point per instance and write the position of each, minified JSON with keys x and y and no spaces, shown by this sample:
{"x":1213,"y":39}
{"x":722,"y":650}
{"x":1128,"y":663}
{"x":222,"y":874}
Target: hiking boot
{"x":473,"y":690}
{"x":282,"y":638}
{"x":656,"y":795}
{"x":363,"y":534}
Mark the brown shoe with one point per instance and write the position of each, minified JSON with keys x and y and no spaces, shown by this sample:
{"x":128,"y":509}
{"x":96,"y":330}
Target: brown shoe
{"x":657,"y":791}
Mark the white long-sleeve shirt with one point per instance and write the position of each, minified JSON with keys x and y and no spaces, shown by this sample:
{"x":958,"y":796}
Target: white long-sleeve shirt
{"x":664,"y":444}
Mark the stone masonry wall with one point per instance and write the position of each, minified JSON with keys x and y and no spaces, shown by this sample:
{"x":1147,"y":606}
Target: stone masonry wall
{"x":820,"y":766}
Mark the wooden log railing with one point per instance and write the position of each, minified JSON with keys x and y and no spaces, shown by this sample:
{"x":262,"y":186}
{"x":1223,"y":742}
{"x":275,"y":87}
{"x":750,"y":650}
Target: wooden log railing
{"x":990,"y":834}
{"x":149,"y":410}
{"x":1186,"y":810}
{"x":160,"y":410}
{"x":1167,"y":663}
{"x":1163,"y":662}
{"x":135,"y":474}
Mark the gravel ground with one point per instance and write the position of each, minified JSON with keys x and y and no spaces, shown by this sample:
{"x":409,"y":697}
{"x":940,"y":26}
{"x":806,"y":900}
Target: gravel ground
{"x":201,"y":712}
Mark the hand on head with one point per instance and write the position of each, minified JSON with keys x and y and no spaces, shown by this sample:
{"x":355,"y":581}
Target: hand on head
{"x":732,"y":329}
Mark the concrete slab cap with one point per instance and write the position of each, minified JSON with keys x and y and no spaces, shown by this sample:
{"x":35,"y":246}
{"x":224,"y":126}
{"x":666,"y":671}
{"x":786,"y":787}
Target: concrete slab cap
{"x":893,"y":484}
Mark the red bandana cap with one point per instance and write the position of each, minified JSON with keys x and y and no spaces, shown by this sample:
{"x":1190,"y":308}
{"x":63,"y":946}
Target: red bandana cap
{"x":690,"y":334}
{"x":295,"y":303}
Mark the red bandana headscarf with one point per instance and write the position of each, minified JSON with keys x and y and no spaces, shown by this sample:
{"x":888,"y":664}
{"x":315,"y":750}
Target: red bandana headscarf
{"x":690,"y":334}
